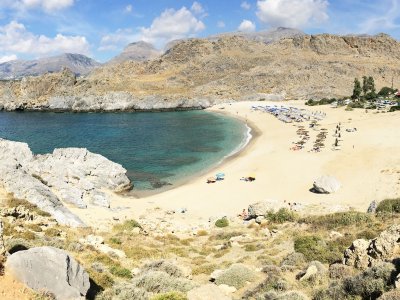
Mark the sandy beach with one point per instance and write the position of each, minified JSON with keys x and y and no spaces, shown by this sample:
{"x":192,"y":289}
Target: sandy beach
{"x":368,"y":167}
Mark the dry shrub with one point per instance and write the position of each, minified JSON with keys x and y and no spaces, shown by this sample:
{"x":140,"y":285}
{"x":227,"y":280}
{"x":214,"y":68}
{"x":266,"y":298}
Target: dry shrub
{"x":236,"y":275}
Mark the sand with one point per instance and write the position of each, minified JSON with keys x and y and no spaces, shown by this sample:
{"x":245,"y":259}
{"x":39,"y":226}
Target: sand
{"x":368,"y":166}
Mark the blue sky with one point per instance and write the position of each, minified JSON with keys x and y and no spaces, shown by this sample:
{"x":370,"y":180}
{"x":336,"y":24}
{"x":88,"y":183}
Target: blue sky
{"x":101,"y":28}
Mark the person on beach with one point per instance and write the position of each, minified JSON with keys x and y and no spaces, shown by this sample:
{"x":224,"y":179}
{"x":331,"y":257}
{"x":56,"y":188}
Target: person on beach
{"x":244,"y":215}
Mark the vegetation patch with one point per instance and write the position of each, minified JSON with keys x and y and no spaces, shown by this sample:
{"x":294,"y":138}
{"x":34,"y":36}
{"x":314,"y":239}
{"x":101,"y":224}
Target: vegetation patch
{"x":223,"y":222}
{"x":389,"y":206}
{"x":170,"y":296}
{"x":337,"y":220}
{"x":236,"y":275}
{"x":120,"y":271}
{"x":281,"y":216}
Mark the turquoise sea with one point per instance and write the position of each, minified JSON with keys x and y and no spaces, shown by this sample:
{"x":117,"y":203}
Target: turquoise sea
{"x":157,"y":149}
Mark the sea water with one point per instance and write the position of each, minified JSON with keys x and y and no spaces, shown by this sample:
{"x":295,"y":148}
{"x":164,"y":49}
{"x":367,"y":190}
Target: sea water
{"x":157,"y":149}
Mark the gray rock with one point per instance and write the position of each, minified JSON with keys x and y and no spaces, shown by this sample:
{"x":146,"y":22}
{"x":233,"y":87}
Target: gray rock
{"x":326,"y":185}
{"x":363,"y":254}
{"x":372,"y":207}
{"x":50,"y":269}
{"x":262,"y":208}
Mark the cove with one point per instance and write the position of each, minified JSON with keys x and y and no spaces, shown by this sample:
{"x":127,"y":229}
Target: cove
{"x":157,"y":149}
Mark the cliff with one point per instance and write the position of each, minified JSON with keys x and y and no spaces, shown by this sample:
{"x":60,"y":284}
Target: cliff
{"x":200,"y":72}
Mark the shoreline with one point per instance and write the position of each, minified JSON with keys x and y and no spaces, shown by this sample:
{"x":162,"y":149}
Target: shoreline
{"x":252,"y":134}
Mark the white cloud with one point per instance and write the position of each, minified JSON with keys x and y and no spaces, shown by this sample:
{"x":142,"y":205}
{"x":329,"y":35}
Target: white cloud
{"x":245,"y":5}
{"x":118,"y":39}
{"x":197,"y":8}
{"x":171,"y":25}
{"x":14,"y":37}
{"x":221,"y":24}
{"x":7,"y":58}
{"x":46,"y":5}
{"x":385,"y":21}
{"x":247,"y":26}
{"x":128,"y":8}
{"x":292,"y":13}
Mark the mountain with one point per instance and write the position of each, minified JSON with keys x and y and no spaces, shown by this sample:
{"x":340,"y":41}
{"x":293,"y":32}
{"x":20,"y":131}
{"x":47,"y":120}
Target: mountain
{"x":139,"y":51}
{"x":77,"y":63}
{"x":200,"y":72}
{"x":265,"y":36}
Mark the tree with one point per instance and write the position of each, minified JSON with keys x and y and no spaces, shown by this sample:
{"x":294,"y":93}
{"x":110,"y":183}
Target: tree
{"x":365,"y":85}
{"x":371,"y":84}
{"x":357,"y":89}
{"x":386,"y":91}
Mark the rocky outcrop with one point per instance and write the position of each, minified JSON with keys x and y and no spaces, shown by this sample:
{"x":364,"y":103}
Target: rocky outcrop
{"x":326,"y":185}
{"x":262,"y":208}
{"x":71,"y":175}
{"x":50,"y":269}
{"x":363,"y":254}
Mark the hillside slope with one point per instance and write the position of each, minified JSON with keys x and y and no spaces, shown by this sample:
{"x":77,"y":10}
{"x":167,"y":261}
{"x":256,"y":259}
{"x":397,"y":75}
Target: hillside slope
{"x":200,"y":72}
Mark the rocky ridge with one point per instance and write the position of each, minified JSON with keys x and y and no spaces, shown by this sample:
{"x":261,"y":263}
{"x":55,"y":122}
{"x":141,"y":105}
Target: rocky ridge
{"x":72,"y":175}
{"x":197,"y":73}
{"x":77,"y":63}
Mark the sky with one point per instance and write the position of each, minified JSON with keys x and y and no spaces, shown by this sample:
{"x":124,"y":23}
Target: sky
{"x":31,"y":29}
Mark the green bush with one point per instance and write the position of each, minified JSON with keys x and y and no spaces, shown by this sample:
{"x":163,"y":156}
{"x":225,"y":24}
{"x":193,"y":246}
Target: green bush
{"x":170,"y":296}
{"x":120,"y":271}
{"x":236,"y":275}
{"x":281,"y":216}
{"x":315,"y":248}
{"x":394,"y":108}
{"x":223,"y":222}
{"x":340,"y":219}
{"x":389,"y":206}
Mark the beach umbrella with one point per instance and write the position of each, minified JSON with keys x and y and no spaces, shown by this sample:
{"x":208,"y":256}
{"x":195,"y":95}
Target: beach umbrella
{"x":220,"y":175}
{"x":211,"y":179}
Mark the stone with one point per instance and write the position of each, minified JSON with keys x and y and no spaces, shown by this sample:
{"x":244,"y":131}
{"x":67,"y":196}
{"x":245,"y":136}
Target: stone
{"x":372,"y":207}
{"x":207,"y":292}
{"x":50,"y":269}
{"x":262,"y":208}
{"x":363,"y":254}
{"x":326,"y":185}
{"x":357,"y":254}
{"x":335,"y":235}
{"x":311,"y":271}
{"x":227,"y":289}
{"x":260,"y":219}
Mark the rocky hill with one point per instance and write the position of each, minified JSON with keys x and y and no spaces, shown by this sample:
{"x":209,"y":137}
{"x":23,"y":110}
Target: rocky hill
{"x":77,"y":63}
{"x":140,"y":51}
{"x":200,"y":72}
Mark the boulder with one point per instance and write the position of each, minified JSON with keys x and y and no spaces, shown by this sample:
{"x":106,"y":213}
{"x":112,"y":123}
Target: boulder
{"x":262,"y":208}
{"x":363,"y":254}
{"x":372,"y":207}
{"x":50,"y":269}
{"x":326,"y":185}
{"x":207,"y":292}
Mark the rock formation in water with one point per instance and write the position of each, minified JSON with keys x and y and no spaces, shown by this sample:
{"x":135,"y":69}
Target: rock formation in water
{"x":197,"y":73}
{"x":72,"y":175}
